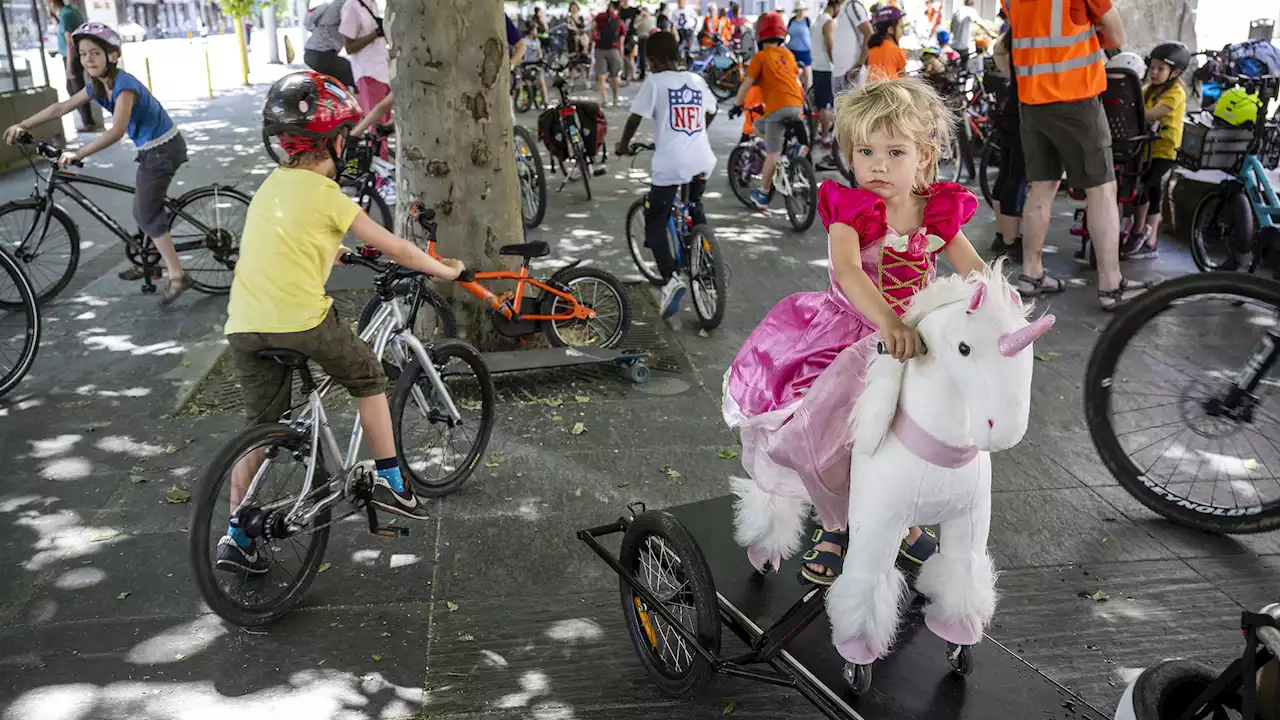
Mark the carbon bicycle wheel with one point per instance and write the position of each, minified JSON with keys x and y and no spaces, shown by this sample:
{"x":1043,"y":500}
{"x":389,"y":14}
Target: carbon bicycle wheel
{"x":640,"y":252}
{"x":19,"y":323}
{"x":210,"y":246}
{"x":1154,"y":402}
{"x":49,"y":255}
{"x":437,"y":453}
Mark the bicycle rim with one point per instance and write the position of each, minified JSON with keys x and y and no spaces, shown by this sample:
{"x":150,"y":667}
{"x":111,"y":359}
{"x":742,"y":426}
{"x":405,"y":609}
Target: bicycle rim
{"x":48,"y":261}
{"x":640,"y":252}
{"x":209,"y":253}
{"x":707,"y":278}
{"x":600,"y":292}
{"x":19,"y":324}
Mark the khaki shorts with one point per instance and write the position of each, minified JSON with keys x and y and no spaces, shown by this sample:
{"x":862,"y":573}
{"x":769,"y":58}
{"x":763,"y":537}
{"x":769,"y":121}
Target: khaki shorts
{"x":609,"y":62}
{"x":332,"y":345}
{"x":1070,"y":136}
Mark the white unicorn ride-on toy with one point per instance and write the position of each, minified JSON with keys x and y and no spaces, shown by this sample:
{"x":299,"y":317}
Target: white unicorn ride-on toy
{"x":922,"y":437}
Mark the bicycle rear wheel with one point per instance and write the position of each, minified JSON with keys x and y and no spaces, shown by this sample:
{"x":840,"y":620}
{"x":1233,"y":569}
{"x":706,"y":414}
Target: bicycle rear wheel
{"x":599,"y":291}
{"x":19,"y":323}
{"x":437,"y":454}
{"x":48,"y":258}
{"x":708,"y":277}
{"x":988,"y":167}
{"x":640,"y":252}
{"x":1154,"y":402}
{"x":292,"y":562}
{"x":802,"y":203}
{"x":209,"y":249}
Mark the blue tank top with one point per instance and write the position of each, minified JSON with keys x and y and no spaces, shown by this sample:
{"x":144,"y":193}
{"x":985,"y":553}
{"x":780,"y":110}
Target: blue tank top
{"x":800,"y":35}
{"x":149,"y":124}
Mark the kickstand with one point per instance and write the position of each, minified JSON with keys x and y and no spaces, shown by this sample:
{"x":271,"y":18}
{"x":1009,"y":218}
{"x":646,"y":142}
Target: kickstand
{"x":148,"y":285}
{"x":383,"y":530}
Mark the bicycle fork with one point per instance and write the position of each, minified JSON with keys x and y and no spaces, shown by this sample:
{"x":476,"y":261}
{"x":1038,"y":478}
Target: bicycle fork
{"x":1241,"y":398}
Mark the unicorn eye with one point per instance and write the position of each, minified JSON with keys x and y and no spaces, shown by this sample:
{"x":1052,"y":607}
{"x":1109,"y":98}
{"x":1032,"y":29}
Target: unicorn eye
{"x":964,"y":349}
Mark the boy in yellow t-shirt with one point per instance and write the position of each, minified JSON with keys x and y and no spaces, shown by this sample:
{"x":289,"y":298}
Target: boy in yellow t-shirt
{"x":775,"y":72}
{"x":292,"y":239}
{"x":1166,"y":103}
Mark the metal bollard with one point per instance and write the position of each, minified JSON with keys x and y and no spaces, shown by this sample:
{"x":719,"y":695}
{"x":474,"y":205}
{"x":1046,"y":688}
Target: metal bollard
{"x":208,"y":75}
{"x":147,"y":62}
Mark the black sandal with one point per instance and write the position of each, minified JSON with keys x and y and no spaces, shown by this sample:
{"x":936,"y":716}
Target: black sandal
{"x":830,"y":561}
{"x":1037,"y":286}
{"x":1124,"y":292}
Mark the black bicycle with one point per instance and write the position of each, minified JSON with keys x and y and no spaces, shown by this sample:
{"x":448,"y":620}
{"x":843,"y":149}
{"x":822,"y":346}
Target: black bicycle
{"x":19,"y":323}
{"x":206,"y":224}
{"x":526,"y":91}
{"x":532,"y":176}
{"x":365,"y":175}
{"x":1179,"y":410}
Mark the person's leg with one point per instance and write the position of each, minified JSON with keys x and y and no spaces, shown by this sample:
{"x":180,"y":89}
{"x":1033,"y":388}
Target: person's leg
{"x":657,"y":212}
{"x":371,"y":92}
{"x":1035,"y":225}
{"x":614,"y":72}
{"x":1044,"y":171}
{"x":602,"y":69}
{"x":642,"y":59}
{"x":1104,"y":232}
{"x":156,"y":168}
{"x":774,"y":138}
{"x":697,"y":212}
{"x":264,"y":386}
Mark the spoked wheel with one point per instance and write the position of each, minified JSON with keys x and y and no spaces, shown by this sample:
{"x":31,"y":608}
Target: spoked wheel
{"x":746,"y":163}
{"x":599,"y":291}
{"x":661,"y":554}
{"x":708,"y":277}
{"x":209,"y":250}
{"x":640,"y":252}
{"x":281,"y":568}
{"x":950,"y":163}
{"x":437,"y":452}
{"x":370,"y":201}
{"x":533,"y":179}
{"x":858,"y":677}
{"x":1220,"y":229}
{"x":524,"y":97}
{"x":435,"y":320}
{"x":960,"y":658}
{"x":19,"y":323}
{"x":48,"y":255}
{"x":989,"y":167}
{"x":802,"y":203}
{"x":580,"y":159}
{"x":842,"y":163}
{"x":1162,"y":413}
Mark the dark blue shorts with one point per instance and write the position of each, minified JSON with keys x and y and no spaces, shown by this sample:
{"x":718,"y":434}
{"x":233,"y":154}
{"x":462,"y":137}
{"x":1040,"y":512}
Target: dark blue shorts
{"x":804,"y":58}
{"x":822,"y":91}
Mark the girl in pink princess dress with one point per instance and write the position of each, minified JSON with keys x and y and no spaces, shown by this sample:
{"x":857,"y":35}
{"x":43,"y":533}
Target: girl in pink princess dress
{"x":792,"y":388}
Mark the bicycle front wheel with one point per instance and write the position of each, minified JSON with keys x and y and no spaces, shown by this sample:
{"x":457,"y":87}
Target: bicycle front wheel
{"x":48,"y":254}
{"x":1158,"y":404}
{"x":206,"y":230}
{"x":580,"y":157}
{"x":285,"y":566}
{"x":19,"y":323}
{"x":437,"y":452}
{"x":640,"y":252}
{"x":708,"y":277}
{"x":744,"y":167}
{"x":802,"y":203}
{"x":533,"y":178}
{"x":1221,"y":230}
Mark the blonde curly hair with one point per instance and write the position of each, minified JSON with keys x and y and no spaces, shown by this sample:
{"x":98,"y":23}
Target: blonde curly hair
{"x":903,"y":107}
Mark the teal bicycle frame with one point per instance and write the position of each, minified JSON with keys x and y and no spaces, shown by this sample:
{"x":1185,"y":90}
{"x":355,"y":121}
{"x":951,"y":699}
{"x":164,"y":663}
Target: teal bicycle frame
{"x":1262,"y":197}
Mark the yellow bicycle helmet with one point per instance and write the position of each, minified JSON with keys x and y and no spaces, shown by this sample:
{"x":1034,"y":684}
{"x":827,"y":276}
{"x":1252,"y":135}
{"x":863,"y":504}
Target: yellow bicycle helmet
{"x":1237,"y":106}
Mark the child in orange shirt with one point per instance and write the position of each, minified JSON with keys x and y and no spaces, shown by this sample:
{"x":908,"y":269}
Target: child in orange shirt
{"x":885,"y":59}
{"x":775,"y":72}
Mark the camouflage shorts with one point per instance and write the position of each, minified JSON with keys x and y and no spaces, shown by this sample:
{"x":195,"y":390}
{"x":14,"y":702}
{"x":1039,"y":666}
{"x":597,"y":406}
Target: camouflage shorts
{"x":332,"y":345}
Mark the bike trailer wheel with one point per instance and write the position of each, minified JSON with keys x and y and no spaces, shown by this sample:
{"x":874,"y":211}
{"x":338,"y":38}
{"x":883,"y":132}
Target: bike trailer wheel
{"x":661,"y":554}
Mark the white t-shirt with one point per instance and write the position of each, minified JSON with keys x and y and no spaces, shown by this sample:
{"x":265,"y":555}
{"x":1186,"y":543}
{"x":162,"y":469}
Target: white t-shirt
{"x":848,"y":39}
{"x":962,"y":27}
{"x":357,"y":21}
{"x":677,"y":102}
{"x":818,"y":45}
{"x":685,"y":19}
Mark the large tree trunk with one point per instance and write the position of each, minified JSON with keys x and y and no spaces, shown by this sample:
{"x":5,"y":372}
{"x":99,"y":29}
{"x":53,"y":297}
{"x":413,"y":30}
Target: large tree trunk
{"x":450,"y":75}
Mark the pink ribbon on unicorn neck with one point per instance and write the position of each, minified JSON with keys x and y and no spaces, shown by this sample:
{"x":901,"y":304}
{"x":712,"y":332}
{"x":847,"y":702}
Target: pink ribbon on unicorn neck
{"x":927,"y":447}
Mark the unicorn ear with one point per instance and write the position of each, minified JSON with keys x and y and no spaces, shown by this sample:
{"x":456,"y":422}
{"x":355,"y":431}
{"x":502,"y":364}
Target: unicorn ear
{"x":878,"y":404}
{"x":979,"y":297}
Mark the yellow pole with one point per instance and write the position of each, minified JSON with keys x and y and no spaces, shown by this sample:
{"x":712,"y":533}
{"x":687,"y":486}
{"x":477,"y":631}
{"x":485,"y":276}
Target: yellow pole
{"x":188,"y":34}
{"x":244,"y":53}
{"x":147,"y":62}
{"x":208,"y":74}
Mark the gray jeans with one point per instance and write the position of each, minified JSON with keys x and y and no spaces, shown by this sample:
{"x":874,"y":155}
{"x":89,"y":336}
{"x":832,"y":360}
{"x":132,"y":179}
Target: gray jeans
{"x":156,"y":168}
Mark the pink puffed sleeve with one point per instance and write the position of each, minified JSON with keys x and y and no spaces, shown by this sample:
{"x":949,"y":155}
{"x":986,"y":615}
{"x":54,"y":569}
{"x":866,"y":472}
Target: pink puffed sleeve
{"x":948,"y":208}
{"x":861,"y":210}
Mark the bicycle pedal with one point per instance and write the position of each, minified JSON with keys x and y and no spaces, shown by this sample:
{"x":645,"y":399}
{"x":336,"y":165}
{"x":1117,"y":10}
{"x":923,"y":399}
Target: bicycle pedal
{"x":390,"y":531}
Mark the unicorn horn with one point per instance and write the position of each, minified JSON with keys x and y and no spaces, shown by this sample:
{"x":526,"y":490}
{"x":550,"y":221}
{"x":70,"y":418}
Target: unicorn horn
{"x":1012,"y":343}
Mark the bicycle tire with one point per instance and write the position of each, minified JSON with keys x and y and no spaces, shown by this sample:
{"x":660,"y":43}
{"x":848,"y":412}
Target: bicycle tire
{"x":720,"y":90}
{"x":540,"y":180}
{"x":580,"y":157}
{"x":412,"y":373}
{"x":524,"y":98}
{"x":567,"y":278}
{"x":737,"y":157}
{"x":27,"y":305}
{"x":706,"y":258}
{"x":1231,"y":207}
{"x":801,"y":217}
{"x":445,"y":327}
{"x":700,"y":596}
{"x":45,"y":291}
{"x":224,"y":245}
{"x":1166,"y":690}
{"x":1097,"y":395}
{"x":640,"y":253}
{"x":372,"y":203}
{"x":206,"y":500}
{"x":990,"y":148}
{"x":842,"y":163}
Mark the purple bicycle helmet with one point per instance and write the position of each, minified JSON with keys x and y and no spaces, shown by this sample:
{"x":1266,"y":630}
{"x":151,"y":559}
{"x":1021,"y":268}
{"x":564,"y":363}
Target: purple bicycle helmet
{"x":888,"y":17}
{"x":99,"y":32}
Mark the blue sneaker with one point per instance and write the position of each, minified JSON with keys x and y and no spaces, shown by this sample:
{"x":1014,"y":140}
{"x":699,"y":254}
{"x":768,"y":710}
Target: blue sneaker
{"x":672,"y":294}
{"x":760,"y":198}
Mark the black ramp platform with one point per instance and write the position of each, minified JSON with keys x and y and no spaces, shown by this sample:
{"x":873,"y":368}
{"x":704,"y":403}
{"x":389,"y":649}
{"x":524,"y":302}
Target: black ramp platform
{"x":914,"y":683}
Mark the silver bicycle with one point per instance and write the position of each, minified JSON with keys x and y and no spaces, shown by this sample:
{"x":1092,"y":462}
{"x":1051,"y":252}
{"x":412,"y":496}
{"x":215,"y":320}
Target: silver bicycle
{"x":442,"y":413}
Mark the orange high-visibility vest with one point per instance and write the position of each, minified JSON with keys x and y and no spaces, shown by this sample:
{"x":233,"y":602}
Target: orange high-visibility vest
{"x":1056,"y":58}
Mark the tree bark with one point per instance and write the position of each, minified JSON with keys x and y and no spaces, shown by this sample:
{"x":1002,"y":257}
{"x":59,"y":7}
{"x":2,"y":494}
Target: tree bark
{"x":450,"y":75}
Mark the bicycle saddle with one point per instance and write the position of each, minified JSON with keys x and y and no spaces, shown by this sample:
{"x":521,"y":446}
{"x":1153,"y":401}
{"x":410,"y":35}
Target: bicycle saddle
{"x":526,"y":250}
{"x":288,"y":358}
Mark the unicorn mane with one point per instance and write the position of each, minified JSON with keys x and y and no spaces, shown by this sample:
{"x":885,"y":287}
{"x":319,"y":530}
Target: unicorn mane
{"x":878,"y":403}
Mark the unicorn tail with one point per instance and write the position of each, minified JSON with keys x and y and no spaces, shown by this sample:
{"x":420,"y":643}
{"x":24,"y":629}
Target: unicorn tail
{"x":769,"y":526}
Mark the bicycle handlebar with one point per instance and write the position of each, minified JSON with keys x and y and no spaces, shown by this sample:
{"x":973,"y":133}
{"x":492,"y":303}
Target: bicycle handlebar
{"x":44,"y":149}
{"x":390,"y":271}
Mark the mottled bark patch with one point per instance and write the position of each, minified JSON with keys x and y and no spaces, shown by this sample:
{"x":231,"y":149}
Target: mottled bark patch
{"x":490,"y":241}
{"x":477,"y":105}
{"x":480,"y":153}
{"x":437,"y":168}
{"x":495,"y":59}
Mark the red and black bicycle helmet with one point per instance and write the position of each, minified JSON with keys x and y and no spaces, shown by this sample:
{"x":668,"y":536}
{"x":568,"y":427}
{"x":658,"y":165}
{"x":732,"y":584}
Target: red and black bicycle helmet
{"x":307,"y":110}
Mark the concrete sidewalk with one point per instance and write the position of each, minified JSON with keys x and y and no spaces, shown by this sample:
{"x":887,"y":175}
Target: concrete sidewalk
{"x":492,"y":607}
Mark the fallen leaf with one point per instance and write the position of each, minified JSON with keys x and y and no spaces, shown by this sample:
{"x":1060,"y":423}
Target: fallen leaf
{"x":366,"y":678}
{"x":324,"y":566}
{"x":702,"y":333}
{"x":1099,"y":596}
{"x":728,"y":709}
{"x":92,"y":428}
{"x":495,"y":460}
{"x":553,"y":402}
{"x":467,"y":638}
{"x":670,"y":472}
{"x":123,"y":595}
{"x":578,"y":429}
{"x":186,"y":363}
{"x":1250,"y":464}
{"x":386,"y":633}
{"x":582,"y":398}
{"x":556,"y":417}
{"x":177,"y":495}
{"x":102,"y":536}
{"x":137,"y":479}
{"x":377,"y":658}
{"x":577,"y":493}
{"x":621,"y":484}
{"x":453,"y":606}
{"x":179,"y":656}
{"x":1047,"y":355}
{"x":137,"y":469}
{"x":170,"y":449}
{"x":728,"y":454}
